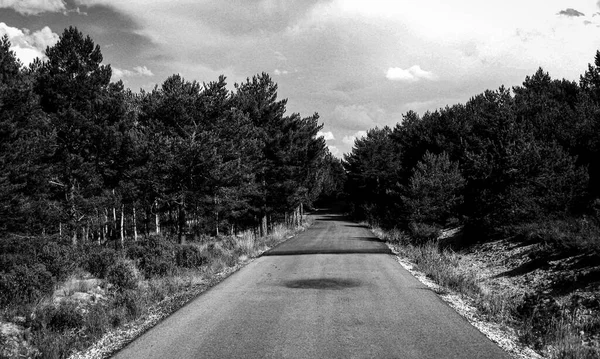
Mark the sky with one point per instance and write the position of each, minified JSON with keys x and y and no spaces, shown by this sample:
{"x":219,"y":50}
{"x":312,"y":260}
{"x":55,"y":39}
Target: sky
{"x":358,"y":63}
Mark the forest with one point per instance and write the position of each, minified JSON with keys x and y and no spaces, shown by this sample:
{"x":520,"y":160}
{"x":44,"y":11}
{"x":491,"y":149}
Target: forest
{"x":149,"y":192}
{"x":145,"y":192}
{"x":506,"y":162}
{"x":87,"y":159}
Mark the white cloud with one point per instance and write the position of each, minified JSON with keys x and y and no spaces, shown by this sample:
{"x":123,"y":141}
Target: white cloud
{"x":27,"y":45}
{"x":335,"y":151}
{"x":357,"y":117}
{"x":328,"y":136}
{"x":33,"y":7}
{"x":412,"y":74}
{"x":279,"y":56}
{"x":349,"y":140}
{"x":137,"y":71}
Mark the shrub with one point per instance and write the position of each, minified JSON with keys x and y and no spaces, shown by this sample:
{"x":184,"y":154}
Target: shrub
{"x":123,"y":274}
{"x":58,"y":259}
{"x":65,"y":317}
{"x":153,"y":257}
{"x":129,"y":301}
{"x":422,"y":233}
{"x":25,"y":284}
{"x":189,"y":256}
{"x":99,"y":262}
{"x":56,"y":317}
{"x":434,"y":190}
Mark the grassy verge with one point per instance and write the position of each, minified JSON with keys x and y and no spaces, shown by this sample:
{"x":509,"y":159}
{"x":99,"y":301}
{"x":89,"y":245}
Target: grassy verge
{"x":555,"y":327}
{"x":110,"y":297}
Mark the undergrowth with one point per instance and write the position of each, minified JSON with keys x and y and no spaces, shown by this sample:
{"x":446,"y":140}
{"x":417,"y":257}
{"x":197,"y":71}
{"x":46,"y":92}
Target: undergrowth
{"x":539,"y":319}
{"x":132,"y":282}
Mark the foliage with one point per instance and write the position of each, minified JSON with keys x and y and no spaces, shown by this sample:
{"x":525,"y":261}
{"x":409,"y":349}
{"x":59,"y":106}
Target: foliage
{"x":123,"y":275}
{"x":25,"y":283}
{"x":190,"y":256}
{"x":153,"y":257}
{"x":434,"y":190}
{"x":509,"y":156}
{"x":99,"y":260}
{"x":88,"y":160}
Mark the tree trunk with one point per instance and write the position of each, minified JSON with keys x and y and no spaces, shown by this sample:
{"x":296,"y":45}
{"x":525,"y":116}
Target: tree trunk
{"x":157,"y":218}
{"x":181,"y":224}
{"x":105,"y":226}
{"x":135,"y":233}
{"x":122,"y":229}
{"x":73,"y":215}
{"x":263,"y":226}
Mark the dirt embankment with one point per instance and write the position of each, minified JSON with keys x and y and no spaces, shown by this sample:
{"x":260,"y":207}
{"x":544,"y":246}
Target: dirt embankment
{"x":528,"y":296}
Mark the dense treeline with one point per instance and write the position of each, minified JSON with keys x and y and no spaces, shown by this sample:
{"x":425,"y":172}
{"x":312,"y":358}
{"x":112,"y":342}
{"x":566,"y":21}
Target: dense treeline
{"x":503,"y":159}
{"x":86,"y":159}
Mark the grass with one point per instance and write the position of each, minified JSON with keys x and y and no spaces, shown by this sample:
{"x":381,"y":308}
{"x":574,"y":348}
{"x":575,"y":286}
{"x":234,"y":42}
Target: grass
{"x":59,"y":329}
{"x":541,"y":322}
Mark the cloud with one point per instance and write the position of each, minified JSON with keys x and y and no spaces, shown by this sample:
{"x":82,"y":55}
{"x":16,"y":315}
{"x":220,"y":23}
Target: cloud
{"x":349,"y":140}
{"x":279,"y":56}
{"x":328,"y":136}
{"x":34,"y":7}
{"x":571,"y":12}
{"x":278,"y":72}
{"x":335,"y":151}
{"x":137,"y":72}
{"x":357,"y":117}
{"x":27,"y":45}
{"x":412,"y":74}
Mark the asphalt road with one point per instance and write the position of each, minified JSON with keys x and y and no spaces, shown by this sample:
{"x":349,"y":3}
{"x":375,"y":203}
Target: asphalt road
{"x":333,"y":291}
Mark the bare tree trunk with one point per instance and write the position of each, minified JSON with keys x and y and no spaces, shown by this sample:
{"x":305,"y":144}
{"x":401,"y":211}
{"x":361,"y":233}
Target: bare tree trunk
{"x":181,"y":224}
{"x":122,"y":229}
{"x":74,"y":218}
{"x":263,"y":225}
{"x":135,"y":233}
{"x":59,"y":229}
{"x":105,"y":226}
{"x":157,"y":218}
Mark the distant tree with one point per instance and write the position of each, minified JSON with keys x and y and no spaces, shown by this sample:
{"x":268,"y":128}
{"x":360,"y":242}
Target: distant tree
{"x":434,"y":193}
{"x":72,"y":85}
{"x":25,"y":142}
{"x":374,"y":168}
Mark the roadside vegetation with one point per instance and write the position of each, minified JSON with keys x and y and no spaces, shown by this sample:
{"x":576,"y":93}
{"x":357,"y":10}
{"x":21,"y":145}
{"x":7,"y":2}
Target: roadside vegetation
{"x":113,"y":202}
{"x":59,"y":300}
{"x":517,"y":172}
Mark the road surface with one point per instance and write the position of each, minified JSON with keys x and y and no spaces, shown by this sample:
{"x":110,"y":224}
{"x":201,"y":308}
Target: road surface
{"x":333,"y":291}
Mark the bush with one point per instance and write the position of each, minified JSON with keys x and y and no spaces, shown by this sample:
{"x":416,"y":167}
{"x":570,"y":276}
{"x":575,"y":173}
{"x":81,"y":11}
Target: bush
{"x":434,"y":191}
{"x":65,"y":317}
{"x":58,"y":259}
{"x":25,"y":284}
{"x":123,"y":274}
{"x":129,"y":301}
{"x":422,"y":233}
{"x":153,"y":257}
{"x":190,"y":256}
{"x":58,"y":318}
{"x":99,"y":262}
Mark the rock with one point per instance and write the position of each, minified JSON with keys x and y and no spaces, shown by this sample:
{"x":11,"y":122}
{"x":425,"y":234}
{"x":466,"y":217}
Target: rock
{"x":82,"y":297}
{"x":19,"y":320}
{"x":14,"y":345}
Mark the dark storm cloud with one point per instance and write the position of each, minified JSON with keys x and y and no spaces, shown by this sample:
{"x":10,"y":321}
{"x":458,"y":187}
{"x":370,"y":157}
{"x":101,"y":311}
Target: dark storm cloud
{"x":571,"y":13}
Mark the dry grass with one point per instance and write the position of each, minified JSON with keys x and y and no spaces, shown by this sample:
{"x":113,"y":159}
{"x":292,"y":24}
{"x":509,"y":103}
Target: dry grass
{"x":559,"y":331}
{"x":60,"y":329}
